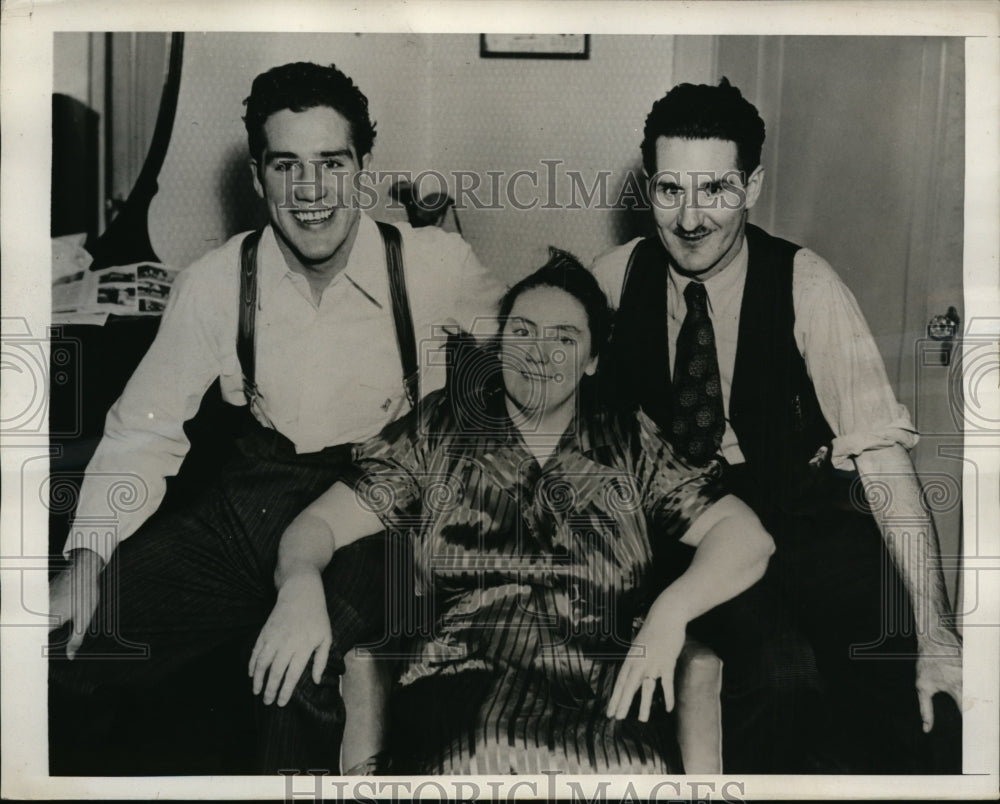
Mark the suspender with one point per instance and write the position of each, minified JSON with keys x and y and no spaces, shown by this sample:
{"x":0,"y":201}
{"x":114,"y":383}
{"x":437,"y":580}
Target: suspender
{"x":245,"y":341}
{"x":401,"y":312}
{"x":401,"y":317}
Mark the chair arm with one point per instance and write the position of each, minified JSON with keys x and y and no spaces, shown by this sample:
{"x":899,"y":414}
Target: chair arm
{"x":698,"y":709}
{"x":365,"y":688}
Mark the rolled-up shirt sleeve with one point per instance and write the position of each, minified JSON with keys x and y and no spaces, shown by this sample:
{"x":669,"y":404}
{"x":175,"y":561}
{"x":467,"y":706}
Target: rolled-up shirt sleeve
{"x":673,"y":493}
{"x":845,"y":365}
{"x":144,"y":440}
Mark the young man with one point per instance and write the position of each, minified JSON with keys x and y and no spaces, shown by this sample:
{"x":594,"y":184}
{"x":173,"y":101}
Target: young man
{"x":743,"y":345}
{"x":307,"y":324}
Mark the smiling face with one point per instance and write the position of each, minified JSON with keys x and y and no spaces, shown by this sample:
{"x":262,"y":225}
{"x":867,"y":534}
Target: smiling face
{"x":700,"y":202}
{"x":307,"y":178}
{"x":545,"y":351}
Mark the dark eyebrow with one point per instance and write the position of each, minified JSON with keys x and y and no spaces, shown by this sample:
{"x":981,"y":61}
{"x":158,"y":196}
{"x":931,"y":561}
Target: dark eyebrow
{"x":732,"y":178}
{"x":273,"y":156}
{"x":522,"y":319}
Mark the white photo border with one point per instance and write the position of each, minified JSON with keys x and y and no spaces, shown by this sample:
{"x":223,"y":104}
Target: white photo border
{"x":25,"y":87}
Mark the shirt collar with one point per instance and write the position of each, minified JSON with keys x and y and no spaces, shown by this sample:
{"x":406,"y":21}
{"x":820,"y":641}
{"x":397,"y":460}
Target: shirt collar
{"x":365,"y":268}
{"x":716,"y":287}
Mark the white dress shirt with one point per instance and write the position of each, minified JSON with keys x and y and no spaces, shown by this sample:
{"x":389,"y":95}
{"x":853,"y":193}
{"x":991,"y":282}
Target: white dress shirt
{"x":840,"y":354}
{"x":329,"y":373}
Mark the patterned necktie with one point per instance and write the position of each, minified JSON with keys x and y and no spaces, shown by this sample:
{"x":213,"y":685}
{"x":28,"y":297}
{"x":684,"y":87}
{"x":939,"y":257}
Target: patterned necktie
{"x":698,"y":416}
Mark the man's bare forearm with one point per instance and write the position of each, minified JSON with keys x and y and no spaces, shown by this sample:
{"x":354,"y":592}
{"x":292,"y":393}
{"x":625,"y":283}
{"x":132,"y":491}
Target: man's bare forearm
{"x":908,"y":531}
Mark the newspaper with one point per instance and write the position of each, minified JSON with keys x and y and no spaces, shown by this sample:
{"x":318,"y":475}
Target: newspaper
{"x":80,"y":295}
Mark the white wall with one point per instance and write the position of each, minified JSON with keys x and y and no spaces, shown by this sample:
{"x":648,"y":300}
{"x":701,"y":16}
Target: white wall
{"x":851,"y":138}
{"x":71,"y":60}
{"x":205,"y":192}
{"x":439,"y":106}
{"x":511,"y":114}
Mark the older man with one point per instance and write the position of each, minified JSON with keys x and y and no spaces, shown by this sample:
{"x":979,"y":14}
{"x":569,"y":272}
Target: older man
{"x":746,"y":346}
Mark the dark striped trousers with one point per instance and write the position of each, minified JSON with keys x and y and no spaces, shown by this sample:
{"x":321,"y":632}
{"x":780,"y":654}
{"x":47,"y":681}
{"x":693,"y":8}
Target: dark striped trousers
{"x":819,"y":657}
{"x":187,"y":582}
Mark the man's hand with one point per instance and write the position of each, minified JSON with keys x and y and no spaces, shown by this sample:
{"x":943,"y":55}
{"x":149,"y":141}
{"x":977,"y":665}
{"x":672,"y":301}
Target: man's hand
{"x":297,"y":629}
{"x":939,"y":669}
{"x":939,"y":649}
{"x":653,"y":656}
{"x":74,"y":594}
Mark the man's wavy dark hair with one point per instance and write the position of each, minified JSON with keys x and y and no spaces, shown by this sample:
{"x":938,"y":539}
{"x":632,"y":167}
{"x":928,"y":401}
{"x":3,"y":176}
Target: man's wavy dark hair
{"x":564,"y":271}
{"x":702,"y":112}
{"x":303,"y":85}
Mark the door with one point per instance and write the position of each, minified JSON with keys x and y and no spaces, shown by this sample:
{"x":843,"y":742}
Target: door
{"x":865,"y":165}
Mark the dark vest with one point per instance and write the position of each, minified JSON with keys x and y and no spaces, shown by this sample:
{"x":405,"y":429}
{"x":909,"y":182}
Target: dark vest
{"x":772,"y":407}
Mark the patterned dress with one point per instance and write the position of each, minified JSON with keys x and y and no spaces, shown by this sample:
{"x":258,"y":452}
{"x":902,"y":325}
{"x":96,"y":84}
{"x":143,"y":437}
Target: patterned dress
{"x":531,"y":580}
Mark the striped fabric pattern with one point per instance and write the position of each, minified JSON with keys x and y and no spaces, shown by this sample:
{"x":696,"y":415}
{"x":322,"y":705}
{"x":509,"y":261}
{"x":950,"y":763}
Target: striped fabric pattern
{"x":532,"y":578}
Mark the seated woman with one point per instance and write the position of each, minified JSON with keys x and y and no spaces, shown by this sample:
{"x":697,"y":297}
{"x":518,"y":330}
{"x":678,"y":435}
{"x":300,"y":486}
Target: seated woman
{"x":535,"y":519}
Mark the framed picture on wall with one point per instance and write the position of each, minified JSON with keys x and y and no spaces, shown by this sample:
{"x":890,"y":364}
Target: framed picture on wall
{"x":534,"y":46}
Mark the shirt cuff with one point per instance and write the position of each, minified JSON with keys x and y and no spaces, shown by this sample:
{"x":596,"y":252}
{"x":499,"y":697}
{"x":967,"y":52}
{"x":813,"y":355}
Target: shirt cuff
{"x":849,"y":446}
{"x":99,"y":536}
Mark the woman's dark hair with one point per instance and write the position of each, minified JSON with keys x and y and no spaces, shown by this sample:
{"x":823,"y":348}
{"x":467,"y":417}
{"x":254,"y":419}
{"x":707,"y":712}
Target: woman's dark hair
{"x":704,"y":112}
{"x":300,"y":86}
{"x":564,"y":271}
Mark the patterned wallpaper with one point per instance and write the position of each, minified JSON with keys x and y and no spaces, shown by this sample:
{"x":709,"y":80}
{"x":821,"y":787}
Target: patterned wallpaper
{"x":441,"y":107}
{"x":206,"y":194}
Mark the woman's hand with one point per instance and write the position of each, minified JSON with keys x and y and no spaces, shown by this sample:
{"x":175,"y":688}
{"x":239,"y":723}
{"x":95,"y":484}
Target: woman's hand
{"x":297,"y":629}
{"x":652,"y":657}
{"x":731,"y":554}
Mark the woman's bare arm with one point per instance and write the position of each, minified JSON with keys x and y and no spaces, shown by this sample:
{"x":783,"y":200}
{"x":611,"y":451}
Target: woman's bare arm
{"x":298,"y":628}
